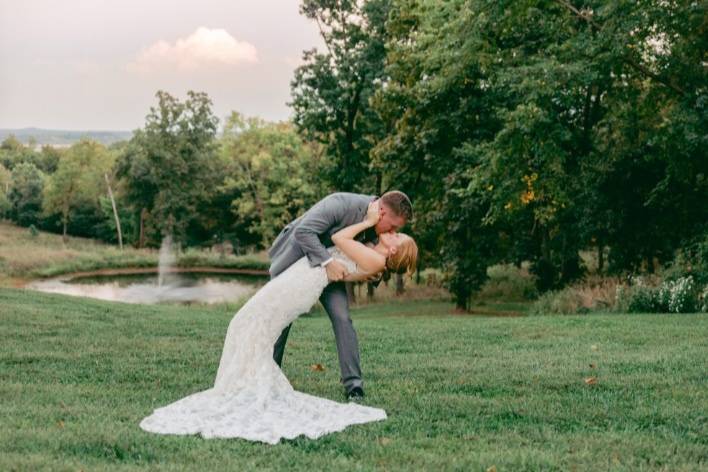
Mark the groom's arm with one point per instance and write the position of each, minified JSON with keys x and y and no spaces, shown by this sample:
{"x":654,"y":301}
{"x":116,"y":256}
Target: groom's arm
{"x":321,"y":218}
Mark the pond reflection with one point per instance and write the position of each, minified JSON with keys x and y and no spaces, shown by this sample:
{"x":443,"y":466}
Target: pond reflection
{"x":146,"y":288}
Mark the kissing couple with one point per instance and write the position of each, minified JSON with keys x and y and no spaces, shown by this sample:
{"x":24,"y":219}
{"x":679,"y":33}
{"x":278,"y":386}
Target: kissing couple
{"x":344,"y":237}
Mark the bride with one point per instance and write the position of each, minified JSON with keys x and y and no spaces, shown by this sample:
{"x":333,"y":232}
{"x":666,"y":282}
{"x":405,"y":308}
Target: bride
{"x":251,"y":397}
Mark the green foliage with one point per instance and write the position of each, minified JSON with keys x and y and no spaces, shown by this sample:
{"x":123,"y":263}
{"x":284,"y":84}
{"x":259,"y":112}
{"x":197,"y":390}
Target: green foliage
{"x":106,"y":228}
{"x":690,"y":260}
{"x":170,"y":168}
{"x":331,"y":91}
{"x":508,"y":283}
{"x":703,"y":300}
{"x":13,"y":153}
{"x":671,"y":296}
{"x":5,"y":205}
{"x":271,"y":176}
{"x":25,"y":194}
{"x":569,"y":127}
{"x":592,"y":294}
{"x":559,"y":302}
{"x":639,"y":299}
{"x":5,"y":181}
{"x":78,"y":183}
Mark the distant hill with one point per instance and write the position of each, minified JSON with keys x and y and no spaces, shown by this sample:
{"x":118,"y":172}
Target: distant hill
{"x":56,"y":137}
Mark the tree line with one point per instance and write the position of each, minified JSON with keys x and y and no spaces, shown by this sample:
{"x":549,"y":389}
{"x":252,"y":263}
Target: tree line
{"x":522,"y":130}
{"x":175,"y":176}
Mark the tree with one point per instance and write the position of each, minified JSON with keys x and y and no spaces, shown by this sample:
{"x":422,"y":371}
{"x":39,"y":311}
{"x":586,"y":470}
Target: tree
{"x":5,"y":181}
{"x":271,"y":175}
{"x":25,"y":195}
{"x":13,"y":152}
{"x":77,"y":183}
{"x":170,"y":167}
{"x":569,"y":126}
{"x":332,"y":90}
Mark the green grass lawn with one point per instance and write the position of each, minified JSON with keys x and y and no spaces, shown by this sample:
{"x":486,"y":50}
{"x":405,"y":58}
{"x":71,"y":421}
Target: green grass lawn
{"x":462,"y":392}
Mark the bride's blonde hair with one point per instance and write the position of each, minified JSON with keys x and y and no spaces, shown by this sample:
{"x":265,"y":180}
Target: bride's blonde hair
{"x":406,"y":257}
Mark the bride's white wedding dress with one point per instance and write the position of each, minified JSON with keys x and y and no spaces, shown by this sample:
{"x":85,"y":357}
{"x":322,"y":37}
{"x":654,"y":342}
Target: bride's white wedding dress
{"x":251,"y":397}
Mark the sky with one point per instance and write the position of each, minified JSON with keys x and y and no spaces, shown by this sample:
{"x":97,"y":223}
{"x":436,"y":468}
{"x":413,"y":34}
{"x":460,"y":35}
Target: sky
{"x":97,"y":64}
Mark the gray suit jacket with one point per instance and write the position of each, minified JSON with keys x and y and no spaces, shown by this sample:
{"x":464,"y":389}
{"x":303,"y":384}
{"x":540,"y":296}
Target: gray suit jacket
{"x":310,"y":234}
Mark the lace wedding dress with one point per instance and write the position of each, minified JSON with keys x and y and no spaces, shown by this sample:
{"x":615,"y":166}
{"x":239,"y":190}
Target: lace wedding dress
{"x":251,"y":397}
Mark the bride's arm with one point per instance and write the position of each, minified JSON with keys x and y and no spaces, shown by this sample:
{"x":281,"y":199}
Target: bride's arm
{"x":366,"y":258}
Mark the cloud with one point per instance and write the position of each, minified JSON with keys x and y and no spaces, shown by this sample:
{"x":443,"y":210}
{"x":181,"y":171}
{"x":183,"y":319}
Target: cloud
{"x":204,"y":47}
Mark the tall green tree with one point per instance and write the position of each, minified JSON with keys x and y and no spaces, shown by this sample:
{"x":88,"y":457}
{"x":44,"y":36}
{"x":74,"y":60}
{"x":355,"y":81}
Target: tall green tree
{"x":14,"y":152}
{"x":78,"y":183}
{"x":170,"y":167}
{"x":331,"y":91}
{"x":25,"y":194}
{"x":567,"y":123}
{"x":271,"y":175}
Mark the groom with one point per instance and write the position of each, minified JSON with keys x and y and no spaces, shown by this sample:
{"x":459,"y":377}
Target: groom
{"x":310,"y":235}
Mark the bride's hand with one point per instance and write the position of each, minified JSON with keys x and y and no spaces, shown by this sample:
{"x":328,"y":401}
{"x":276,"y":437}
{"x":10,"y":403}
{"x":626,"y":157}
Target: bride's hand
{"x":372,"y":214}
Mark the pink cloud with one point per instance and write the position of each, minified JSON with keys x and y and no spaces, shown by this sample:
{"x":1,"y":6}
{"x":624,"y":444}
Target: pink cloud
{"x":204,"y":47}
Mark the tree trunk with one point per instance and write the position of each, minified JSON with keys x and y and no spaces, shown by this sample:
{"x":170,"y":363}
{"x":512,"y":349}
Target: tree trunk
{"x":115,"y":212}
{"x":141,"y":238}
{"x":64,"y":237}
{"x":369,"y":291}
{"x":600,"y":257}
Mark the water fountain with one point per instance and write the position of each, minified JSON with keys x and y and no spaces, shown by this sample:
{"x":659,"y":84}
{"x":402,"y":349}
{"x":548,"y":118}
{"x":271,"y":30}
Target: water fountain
{"x":166,"y":261}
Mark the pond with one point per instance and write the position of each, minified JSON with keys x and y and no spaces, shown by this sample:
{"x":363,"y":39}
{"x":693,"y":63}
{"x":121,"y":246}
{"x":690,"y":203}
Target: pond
{"x":151,"y":288}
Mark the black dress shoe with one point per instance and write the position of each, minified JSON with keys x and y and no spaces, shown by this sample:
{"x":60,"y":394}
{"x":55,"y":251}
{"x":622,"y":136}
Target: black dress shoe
{"x":356,"y":394}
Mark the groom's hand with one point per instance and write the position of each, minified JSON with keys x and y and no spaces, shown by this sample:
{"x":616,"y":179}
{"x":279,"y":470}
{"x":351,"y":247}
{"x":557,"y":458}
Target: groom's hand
{"x":336,"y":271}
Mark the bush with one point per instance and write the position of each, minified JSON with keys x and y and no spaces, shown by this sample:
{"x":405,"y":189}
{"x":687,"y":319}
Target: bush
{"x":672,"y":296}
{"x":691,"y":260}
{"x":509,"y":283}
{"x":644,"y":300}
{"x":703,"y":300}
{"x":593,"y":294}
{"x":682,"y":296}
{"x":559,"y":302}
{"x":5,"y":205}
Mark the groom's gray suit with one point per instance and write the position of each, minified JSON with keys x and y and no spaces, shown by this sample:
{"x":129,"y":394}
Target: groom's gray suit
{"x":310,"y":235}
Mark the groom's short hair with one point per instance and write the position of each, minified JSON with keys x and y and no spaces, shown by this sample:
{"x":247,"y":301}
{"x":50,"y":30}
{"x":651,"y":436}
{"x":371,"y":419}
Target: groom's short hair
{"x":399,"y":203}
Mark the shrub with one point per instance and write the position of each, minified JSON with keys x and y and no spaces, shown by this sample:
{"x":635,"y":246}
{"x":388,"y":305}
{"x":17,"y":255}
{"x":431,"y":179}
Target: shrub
{"x":682,"y":295}
{"x":703,"y":300}
{"x":644,"y":300}
{"x":593,"y":294}
{"x":691,"y":260}
{"x":672,"y":296}
{"x":509,"y":283}
{"x":558,"y":302}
